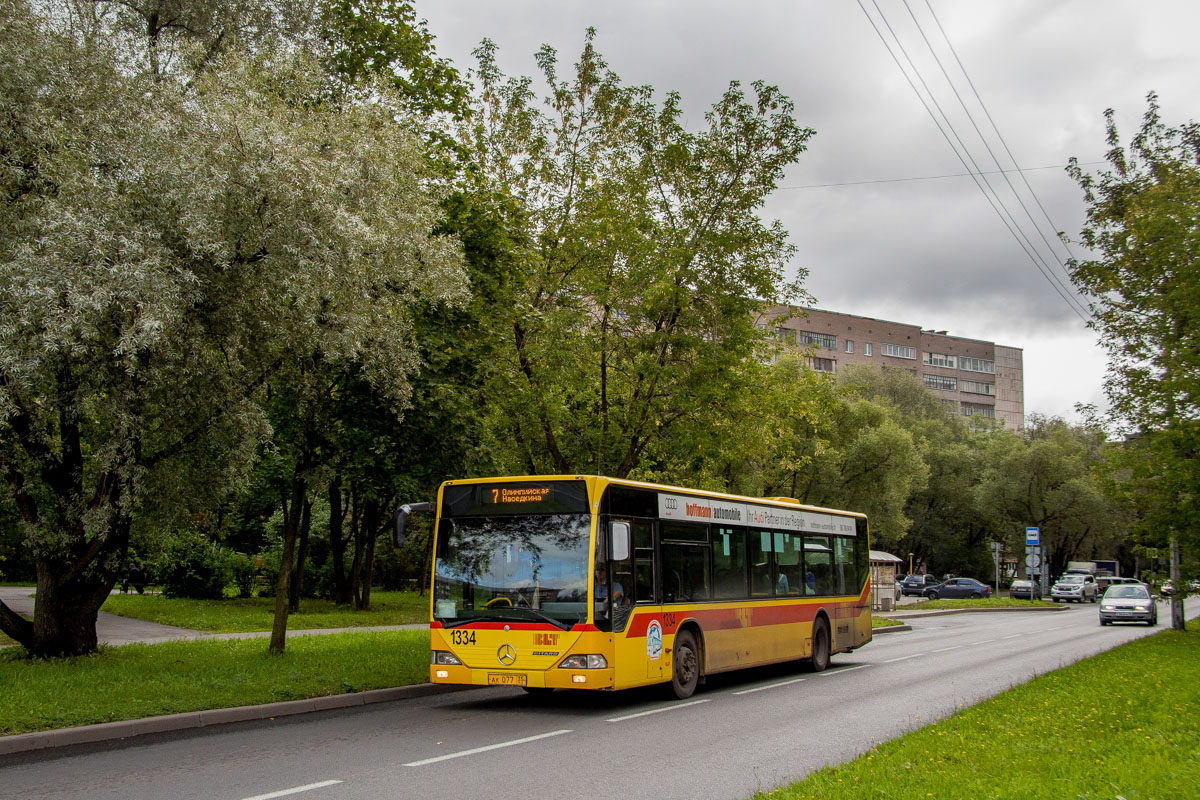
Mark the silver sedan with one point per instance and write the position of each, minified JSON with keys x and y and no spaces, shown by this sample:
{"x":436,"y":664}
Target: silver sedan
{"x":1128,"y":603}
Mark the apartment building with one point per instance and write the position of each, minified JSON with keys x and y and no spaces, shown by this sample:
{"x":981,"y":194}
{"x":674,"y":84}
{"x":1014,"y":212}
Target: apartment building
{"x":977,"y":377}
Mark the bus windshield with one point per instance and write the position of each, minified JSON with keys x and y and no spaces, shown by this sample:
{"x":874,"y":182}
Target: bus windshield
{"x":513,"y":569}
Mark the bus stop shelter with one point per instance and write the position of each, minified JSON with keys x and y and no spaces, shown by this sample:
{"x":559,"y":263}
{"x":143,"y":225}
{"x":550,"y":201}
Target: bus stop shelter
{"x":884,"y":590}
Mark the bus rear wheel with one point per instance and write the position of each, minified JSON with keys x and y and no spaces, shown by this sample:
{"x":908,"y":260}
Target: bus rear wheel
{"x":685,"y":665}
{"x":820,"y":646}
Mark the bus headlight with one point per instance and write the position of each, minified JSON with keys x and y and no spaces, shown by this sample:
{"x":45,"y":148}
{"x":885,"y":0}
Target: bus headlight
{"x":444,"y":658}
{"x":591,"y":661}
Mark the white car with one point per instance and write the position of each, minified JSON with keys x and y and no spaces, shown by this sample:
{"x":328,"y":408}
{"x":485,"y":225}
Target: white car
{"x":1074,"y":588}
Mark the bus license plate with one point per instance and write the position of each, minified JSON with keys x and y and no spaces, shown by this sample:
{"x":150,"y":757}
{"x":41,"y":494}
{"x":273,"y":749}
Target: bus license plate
{"x":507,"y":679}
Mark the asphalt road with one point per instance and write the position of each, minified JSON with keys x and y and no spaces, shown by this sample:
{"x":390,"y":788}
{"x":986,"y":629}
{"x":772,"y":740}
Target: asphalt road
{"x":742,"y":732}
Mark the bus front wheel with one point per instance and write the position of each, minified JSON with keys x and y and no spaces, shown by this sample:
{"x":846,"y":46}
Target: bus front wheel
{"x":820,"y":646}
{"x":685,"y":667}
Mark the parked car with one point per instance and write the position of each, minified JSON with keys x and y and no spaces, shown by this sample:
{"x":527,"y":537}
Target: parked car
{"x":1128,"y":603}
{"x":915,"y":585}
{"x":1074,"y":588}
{"x":958,"y":587}
{"x":1105,"y":581}
{"x":1168,"y":588}
{"x":1025,"y":590}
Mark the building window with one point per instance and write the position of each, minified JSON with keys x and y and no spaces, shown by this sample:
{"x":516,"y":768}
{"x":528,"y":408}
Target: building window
{"x":867,"y":349}
{"x":823,"y":364}
{"x":971,"y":409}
{"x":785,"y":335}
{"x":943,"y":382}
{"x":938,"y":360}
{"x":977,"y":387}
{"x":849,"y":345}
{"x":898,"y":350}
{"x":826,"y":340}
{"x":977,"y":365}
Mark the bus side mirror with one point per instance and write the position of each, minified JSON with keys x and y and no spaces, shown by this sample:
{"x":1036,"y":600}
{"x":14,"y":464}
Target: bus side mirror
{"x":402,"y":519}
{"x":619,"y":535}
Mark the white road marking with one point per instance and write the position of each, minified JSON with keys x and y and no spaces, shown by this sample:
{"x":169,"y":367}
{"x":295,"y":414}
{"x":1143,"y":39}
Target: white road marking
{"x":903,"y":658}
{"x":296,"y":790}
{"x":985,"y":641}
{"x":671,"y":707}
{"x":772,"y":686}
{"x":1014,"y":636}
{"x":948,"y":649}
{"x":841,"y":670}
{"x":475,"y":750}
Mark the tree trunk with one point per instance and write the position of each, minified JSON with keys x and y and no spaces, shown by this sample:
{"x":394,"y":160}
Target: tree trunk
{"x":291,"y":525}
{"x":301,"y":555}
{"x":64,"y":617}
{"x":357,"y":534}
{"x":337,"y":543}
{"x":71,"y":588}
{"x":370,"y":518}
{"x":1177,"y":621}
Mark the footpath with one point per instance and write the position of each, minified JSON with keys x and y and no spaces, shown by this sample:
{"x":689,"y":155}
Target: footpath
{"x":115,"y":630}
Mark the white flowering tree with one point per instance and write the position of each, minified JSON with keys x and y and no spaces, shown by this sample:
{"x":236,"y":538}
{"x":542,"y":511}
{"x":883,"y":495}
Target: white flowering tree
{"x":166,"y":246}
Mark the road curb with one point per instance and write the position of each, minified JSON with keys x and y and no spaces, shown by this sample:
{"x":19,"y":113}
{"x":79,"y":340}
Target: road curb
{"x":170,"y":723}
{"x":890,"y":629}
{"x":941,"y":612}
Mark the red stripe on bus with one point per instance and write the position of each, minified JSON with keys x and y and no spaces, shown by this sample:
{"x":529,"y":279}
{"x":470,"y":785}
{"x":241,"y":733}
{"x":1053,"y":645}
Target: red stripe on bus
{"x":717,"y":619}
{"x":516,"y":626}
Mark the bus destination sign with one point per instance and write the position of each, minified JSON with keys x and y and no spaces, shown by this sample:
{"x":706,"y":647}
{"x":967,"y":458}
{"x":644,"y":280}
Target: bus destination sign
{"x":514,"y":497}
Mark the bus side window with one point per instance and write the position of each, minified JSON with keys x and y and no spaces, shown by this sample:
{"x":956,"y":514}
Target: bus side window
{"x":762,"y":582}
{"x":818,"y":565}
{"x":787,"y":562}
{"x":643,"y":562}
{"x":729,"y":563}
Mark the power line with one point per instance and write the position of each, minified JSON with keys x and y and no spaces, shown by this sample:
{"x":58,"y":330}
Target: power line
{"x":965,"y":155}
{"x":999,"y":135}
{"x":932,"y":177}
{"x":997,"y":203}
{"x":996,"y":127}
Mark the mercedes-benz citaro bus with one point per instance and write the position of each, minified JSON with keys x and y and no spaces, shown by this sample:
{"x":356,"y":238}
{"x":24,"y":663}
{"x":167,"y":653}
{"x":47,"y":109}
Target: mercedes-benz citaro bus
{"x":587,"y":582}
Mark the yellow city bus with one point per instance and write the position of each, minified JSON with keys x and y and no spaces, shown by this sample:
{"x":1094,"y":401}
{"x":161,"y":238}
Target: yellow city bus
{"x":587,"y":582}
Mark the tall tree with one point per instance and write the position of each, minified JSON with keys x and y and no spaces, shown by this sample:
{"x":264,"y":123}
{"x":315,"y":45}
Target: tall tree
{"x":1047,"y":479}
{"x":644,"y":256}
{"x":1143,"y":226}
{"x":164,"y":249}
{"x":950,"y":532}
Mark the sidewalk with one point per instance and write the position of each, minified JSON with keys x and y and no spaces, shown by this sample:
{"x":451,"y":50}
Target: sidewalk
{"x":115,"y":630}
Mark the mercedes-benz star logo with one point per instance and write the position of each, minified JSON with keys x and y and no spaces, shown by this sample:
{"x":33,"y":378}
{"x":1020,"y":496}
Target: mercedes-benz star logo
{"x":506,"y":655}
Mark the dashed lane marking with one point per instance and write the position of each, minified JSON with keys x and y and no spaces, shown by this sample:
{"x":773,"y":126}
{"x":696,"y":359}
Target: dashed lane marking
{"x":672,"y":707}
{"x":475,"y":750}
{"x":294,"y":790}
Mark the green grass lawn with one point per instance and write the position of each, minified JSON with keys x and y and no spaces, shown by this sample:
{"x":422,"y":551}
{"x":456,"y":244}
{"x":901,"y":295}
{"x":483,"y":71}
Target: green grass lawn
{"x":257,"y":614}
{"x":884,"y":622}
{"x":137,"y":681}
{"x":1122,"y":724}
{"x":989,"y":602}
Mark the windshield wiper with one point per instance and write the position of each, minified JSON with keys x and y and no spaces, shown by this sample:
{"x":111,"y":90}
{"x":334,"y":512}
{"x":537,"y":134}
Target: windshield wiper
{"x":544,"y":617}
{"x":507,"y":615}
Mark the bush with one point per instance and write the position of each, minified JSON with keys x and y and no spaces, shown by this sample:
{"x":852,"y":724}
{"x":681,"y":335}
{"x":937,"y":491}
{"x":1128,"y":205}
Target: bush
{"x":245,"y":571}
{"x":195,"y":567}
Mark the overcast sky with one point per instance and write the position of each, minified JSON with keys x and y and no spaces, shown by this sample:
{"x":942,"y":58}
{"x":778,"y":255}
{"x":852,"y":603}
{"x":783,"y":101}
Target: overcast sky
{"x":881,"y":229}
